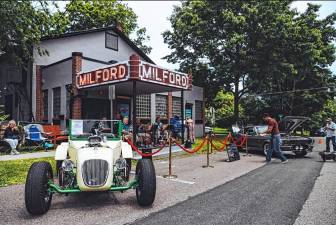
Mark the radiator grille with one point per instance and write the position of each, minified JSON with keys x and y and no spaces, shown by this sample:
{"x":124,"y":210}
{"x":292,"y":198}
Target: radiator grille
{"x":95,"y":172}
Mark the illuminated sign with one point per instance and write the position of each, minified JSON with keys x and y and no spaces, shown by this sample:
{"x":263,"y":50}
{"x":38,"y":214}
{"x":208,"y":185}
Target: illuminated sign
{"x":155,"y":74}
{"x":111,"y":74}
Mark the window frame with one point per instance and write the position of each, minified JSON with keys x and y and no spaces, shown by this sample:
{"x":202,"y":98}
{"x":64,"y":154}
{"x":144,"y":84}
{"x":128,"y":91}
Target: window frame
{"x":53,"y":101}
{"x":112,"y":34}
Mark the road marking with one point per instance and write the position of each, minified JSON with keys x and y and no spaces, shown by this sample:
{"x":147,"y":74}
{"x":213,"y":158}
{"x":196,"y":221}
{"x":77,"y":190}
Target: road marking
{"x":175,"y":179}
{"x":178,"y":180}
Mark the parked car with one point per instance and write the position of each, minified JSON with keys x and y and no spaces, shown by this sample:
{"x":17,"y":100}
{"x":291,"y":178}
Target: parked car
{"x":208,"y":130}
{"x":291,"y":143}
{"x":95,"y":159}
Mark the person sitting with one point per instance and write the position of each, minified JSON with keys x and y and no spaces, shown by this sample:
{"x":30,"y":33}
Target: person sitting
{"x":11,"y":136}
{"x":126,"y":129}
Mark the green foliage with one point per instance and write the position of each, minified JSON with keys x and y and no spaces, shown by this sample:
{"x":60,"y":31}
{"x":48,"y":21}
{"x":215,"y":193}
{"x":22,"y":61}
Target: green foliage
{"x":224,"y":105}
{"x":22,"y":26}
{"x":84,"y":15}
{"x":328,"y":111}
{"x":253,"y":47}
{"x":15,"y":171}
{"x":3,"y":117}
{"x":23,"y":23}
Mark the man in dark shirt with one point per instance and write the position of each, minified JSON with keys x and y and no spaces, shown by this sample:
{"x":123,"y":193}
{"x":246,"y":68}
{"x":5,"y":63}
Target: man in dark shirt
{"x":275,"y":139}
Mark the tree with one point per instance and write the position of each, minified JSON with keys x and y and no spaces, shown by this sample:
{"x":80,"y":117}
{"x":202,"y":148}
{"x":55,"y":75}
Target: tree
{"x":224,"y":105}
{"x":252,"y":47}
{"x":84,"y":15}
{"x":22,"y":26}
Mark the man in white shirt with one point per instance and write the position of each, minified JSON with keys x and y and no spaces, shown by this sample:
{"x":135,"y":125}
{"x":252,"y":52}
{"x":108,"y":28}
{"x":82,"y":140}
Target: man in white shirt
{"x":330,"y":128}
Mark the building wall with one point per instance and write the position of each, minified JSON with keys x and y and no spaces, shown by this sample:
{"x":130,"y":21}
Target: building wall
{"x":58,"y":75}
{"x":92,"y":45}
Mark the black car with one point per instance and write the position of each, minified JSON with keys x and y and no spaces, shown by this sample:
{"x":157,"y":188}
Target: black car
{"x":300,"y":146}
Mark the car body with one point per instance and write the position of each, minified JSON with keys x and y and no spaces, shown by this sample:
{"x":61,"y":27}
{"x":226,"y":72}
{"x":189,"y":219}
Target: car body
{"x":95,"y":159}
{"x":291,"y":143}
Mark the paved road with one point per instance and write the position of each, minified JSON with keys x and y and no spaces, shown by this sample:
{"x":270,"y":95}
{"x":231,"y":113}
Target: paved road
{"x":273,"y":194}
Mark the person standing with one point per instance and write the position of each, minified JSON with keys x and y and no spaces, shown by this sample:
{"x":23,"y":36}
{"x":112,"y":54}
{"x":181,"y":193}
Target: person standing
{"x":331,"y":136}
{"x":275,"y":139}
{"x":11,"y":136}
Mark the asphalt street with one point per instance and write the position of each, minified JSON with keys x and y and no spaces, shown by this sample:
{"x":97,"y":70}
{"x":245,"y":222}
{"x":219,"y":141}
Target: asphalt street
{"x":273,"y":194}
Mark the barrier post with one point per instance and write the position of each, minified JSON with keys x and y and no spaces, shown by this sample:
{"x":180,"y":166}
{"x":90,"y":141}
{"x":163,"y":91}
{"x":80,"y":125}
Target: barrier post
{"x":246,"y":150}
{"x":170,"y":175}
{"x":211,"y":136}
{"x":208,"y":153}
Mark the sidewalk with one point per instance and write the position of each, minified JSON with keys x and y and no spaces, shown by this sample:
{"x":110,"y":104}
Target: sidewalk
{"x":320,"y":206}
{"x":28,"y":156}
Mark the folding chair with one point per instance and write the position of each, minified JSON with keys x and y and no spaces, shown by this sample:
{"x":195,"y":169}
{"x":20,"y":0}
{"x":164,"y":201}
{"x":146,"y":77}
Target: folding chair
{"x":34,"y":136}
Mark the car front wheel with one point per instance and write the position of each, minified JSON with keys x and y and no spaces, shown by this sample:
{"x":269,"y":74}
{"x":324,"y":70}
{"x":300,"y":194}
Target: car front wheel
{"x":266,"y":147}
{"x":37,"y":196}
{"x":301,"y":154}
{"x":146,"y":189}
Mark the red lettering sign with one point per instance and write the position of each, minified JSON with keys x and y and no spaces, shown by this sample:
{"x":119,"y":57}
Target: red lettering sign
{"x":155,"y":74}
{"x":112,"y":74}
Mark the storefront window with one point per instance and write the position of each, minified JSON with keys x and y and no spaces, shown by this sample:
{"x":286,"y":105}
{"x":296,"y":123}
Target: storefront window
{"x":143,"y":106}
{"x":161,"y":105}
{"x":56,"y":102}
{"x":45,"y":104}
{"x":176,"y":106}
{"x":198,"y":112}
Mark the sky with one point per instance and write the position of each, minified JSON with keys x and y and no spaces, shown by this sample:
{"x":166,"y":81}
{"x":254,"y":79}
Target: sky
{"x":154,"y":16}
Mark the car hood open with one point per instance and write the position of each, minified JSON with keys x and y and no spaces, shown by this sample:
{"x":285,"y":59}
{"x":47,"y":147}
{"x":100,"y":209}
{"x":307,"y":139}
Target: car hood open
{"x":290,"y":123}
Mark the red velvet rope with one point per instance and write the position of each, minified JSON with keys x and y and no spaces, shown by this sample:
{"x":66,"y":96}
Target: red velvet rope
{"x":143,"y":154}
{"x":224,"y":143}
{"x":192,"y":150}
{"x":241,"y":143}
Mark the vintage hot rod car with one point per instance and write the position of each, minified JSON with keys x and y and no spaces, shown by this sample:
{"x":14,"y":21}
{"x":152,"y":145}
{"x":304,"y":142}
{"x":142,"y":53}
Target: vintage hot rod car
{"x":95,"y":159}
{"x":300,"y":146}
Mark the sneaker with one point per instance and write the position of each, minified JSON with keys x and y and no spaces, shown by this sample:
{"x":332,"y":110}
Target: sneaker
{"x":284,"y":162}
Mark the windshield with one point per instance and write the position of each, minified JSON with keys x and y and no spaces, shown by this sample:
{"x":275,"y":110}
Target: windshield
{"x":261,"y":129}
{"x":82,"y":129}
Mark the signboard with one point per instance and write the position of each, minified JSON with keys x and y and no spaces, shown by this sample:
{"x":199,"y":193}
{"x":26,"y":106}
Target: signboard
{"x":155,"y":74}
{"x":111,"y":74}
{"x":76,"y":127}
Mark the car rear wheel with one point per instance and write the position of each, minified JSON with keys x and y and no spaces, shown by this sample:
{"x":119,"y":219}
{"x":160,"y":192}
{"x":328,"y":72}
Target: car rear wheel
{"x":266,"y":147}
{"x":146,"y":189}
{"x":37,"y":196}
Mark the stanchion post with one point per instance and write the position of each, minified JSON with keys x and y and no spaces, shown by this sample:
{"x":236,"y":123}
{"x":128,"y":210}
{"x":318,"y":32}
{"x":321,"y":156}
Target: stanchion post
{"x":246,"y":150}
{"x":211,"y":135}
{"x":208,"y":153}
{"x":170,"y":175}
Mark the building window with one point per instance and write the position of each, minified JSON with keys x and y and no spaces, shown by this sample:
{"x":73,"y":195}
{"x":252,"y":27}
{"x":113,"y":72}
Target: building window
{"x":111,"y":40}
{"x":143,"y":106}
{"x":198,"y":112}
{"x":56,"y":102}
{"x":161,"y":105}
{"x":176,"y":106}
{"x":45,"y":104}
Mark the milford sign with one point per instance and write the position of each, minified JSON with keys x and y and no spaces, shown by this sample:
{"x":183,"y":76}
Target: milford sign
{"x":112,"y":74}
{"x":134,"y":69}
{"x":155,"y":74}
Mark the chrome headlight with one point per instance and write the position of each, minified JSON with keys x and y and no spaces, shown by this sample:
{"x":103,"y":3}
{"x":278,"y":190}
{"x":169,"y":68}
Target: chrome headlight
{"x":120,"y":164}
{"x":301,"y":147}
{"x":297,"y":147}
{"x":67,"y":165}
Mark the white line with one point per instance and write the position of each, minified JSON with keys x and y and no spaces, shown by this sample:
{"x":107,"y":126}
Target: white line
{"x":178,"y":180}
